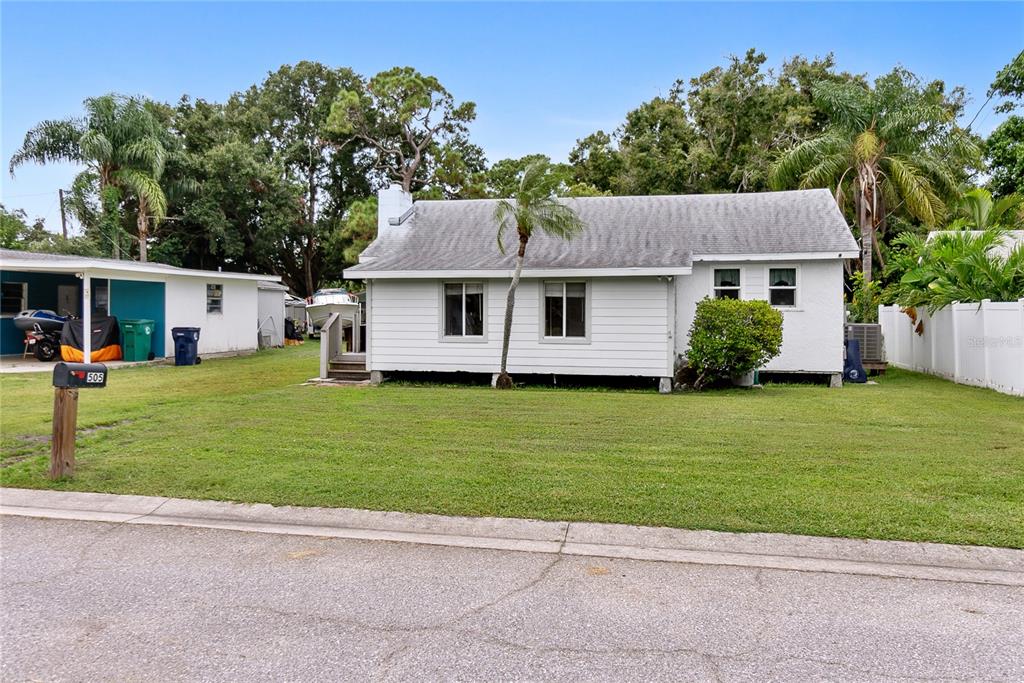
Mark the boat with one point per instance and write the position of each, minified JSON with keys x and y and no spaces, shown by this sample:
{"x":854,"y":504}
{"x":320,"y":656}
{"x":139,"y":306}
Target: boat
{"x":324,"y":302}
{"x":40,"y":319}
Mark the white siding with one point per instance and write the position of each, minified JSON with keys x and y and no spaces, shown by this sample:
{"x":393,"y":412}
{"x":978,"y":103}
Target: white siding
{"x":630,"y":330}
{"x":234,"y":329}
{"x":812,"y":331}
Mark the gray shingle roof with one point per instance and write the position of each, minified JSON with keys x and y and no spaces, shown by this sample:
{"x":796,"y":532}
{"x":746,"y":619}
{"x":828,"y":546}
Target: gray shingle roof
{"x":620,"y":232}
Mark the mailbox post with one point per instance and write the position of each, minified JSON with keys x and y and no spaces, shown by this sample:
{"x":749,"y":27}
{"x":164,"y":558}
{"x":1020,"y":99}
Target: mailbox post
{"x":68,"y":378}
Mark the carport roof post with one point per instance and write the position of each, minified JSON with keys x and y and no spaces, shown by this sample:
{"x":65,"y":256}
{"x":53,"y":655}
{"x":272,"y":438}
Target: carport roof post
{"x":86,"y":317}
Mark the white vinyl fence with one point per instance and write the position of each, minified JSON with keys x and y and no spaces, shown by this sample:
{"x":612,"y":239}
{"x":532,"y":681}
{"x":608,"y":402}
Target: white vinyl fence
{"x":977,"y":344}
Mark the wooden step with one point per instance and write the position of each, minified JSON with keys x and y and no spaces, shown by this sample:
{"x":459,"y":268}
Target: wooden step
{"x":351,"y":376}
{"x":347,"y":366}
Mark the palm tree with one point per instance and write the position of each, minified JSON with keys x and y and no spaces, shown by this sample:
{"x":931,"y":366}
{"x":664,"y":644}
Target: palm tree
{"x":533,"y":208}
{"x":119,"y":142}
{"x":979,"y":212}
{"x":882,"y":146}
{"x":957,"y":266}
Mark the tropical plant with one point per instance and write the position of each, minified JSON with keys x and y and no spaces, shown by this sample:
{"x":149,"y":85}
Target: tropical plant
{"x":865,"y":296}
{"x":979,"y":211}
{"x":887,"y":146}
{"x":119,"y":142}
{"x":957,"y":266}
{"x":534,"y":208}
{"x":730,"y":337}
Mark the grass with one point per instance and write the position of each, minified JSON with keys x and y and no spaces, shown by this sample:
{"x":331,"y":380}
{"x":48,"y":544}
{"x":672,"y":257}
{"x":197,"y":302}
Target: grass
{"x":914,"y":457}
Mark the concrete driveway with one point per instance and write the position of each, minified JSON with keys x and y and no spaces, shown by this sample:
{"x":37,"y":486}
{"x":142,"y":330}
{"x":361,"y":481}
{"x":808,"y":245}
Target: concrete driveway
{"x":102,"y":601}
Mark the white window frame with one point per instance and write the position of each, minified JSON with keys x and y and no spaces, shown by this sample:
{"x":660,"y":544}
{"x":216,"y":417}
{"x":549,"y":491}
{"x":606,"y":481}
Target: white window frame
{"x":587,"y":317}
{"x":220,"y":310}
{"x":463,"y":338}
{"x":796,"y":286}
{"x":738,"y":288}
{"x":24,"y":297}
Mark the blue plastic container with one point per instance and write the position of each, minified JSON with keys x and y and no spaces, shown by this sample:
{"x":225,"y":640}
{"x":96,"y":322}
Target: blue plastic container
{"x":186,"y":345}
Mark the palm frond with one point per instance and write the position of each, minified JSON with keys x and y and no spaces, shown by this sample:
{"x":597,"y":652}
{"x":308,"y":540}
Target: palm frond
{"x":505,"y":217}
{"x":49,"y":141}
{"x":790,"y":168}
{"x":847,"y":104}
{"x":914,"y":188}
{"x":146,"y":152}
{"x":144,"y":187}
{"x":96,"y":146}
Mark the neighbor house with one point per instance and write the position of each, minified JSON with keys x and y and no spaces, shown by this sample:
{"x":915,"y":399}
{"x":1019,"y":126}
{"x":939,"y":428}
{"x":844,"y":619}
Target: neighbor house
{"x":224,"y":305}
{"x":616,"y":300}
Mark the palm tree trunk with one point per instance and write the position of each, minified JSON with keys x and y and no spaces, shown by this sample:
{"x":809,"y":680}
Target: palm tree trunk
{"x":504,"y":381}
{"x":865,"y":221}
{"x":143,"y":226}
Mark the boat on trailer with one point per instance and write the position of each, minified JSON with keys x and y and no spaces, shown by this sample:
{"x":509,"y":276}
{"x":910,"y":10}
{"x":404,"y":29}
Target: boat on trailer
{"x":327,"y":301}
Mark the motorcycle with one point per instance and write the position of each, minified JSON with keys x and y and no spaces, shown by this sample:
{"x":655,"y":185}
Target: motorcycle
{"x":42,"y":330}
{"x":44,"y":345}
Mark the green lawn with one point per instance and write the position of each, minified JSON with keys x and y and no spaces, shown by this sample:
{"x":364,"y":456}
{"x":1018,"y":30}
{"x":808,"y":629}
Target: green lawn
{"x":911,"y":458}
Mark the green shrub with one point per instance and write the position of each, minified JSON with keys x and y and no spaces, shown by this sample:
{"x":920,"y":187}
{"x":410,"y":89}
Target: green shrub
{"x":865,"y":299}
{"x":730,"y":337}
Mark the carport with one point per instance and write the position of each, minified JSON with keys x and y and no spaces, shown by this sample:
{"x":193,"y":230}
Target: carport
{"x":69,"y":287}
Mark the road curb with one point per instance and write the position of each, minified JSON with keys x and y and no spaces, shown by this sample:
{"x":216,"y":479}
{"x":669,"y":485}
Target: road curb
{"x":893,"y":559}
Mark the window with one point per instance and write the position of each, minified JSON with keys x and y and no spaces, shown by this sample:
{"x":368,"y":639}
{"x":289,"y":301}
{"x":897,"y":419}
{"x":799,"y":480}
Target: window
{"x":214,"y":298}
{"x":727,"y":283}
{"x":15,"y":298}
{"x":100,"y":297}
{"x":565,"y":309}
{"x":782,"y":286}
{"x":463,"y":309}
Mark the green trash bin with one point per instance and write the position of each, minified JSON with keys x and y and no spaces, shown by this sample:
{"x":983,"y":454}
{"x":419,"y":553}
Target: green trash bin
{"x":137,"y":339}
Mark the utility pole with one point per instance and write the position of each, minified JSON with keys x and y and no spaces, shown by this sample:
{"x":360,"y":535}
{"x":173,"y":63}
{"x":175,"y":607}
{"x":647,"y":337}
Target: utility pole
{"x":63,"y":215}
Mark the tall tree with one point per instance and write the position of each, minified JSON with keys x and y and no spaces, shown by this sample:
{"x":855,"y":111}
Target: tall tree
{"x":1004,"y":149}
{"x":401,"y":114}
{"x":533,"y":208}
{"x":286,"y":117}
{"x":119,"y":142}
{"x":894,"y":144}
{"x":596,"y":161}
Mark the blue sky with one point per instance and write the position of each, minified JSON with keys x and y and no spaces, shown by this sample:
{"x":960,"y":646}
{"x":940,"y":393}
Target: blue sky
{"x":542,"y":75}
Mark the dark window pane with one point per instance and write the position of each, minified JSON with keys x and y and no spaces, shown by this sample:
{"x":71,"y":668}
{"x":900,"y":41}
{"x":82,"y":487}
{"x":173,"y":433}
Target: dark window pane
{"x":727,"y":277}
{"x":575,"y":316}
{"x":474,"y":310}
{"x":553,"y":316}
{"x":453,"y":310}
{"x":727,"y":294}
{"x":782,"y":297}
{"x":782,"y":277}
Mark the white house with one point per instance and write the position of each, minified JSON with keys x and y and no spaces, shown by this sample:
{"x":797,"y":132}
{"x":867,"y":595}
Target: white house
{"x":223,"y":305}
{"x":616,"y":300}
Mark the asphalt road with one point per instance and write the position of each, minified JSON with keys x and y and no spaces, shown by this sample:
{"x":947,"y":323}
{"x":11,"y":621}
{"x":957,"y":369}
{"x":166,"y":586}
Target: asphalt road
{"x":99,"y":601}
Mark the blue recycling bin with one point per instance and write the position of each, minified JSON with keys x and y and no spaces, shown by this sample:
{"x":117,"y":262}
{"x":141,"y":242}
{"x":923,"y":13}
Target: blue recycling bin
{"x":186,"y":345}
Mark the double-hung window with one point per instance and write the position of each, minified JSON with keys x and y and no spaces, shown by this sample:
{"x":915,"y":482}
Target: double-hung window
{"x":464,"y":309}
{"x":214,"y":298}
{"x":565,"y":310}
{"x":782,"y":286}
{"x":727,"y":283}
{"x":15,"y":298}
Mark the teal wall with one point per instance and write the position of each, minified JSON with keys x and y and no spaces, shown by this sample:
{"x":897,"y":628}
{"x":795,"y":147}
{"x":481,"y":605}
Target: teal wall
{"x":42,"y":293}
{"x":134,"y":299}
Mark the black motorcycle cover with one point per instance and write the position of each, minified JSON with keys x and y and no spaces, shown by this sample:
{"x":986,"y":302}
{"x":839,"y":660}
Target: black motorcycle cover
{"x":106,"y":340}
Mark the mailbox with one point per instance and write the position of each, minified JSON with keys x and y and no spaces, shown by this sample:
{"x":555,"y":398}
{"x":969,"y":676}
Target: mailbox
{"x":80,"y":375}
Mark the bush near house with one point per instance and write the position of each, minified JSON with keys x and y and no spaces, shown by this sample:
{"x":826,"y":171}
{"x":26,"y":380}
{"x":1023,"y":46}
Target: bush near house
{"x":730,"y":337}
